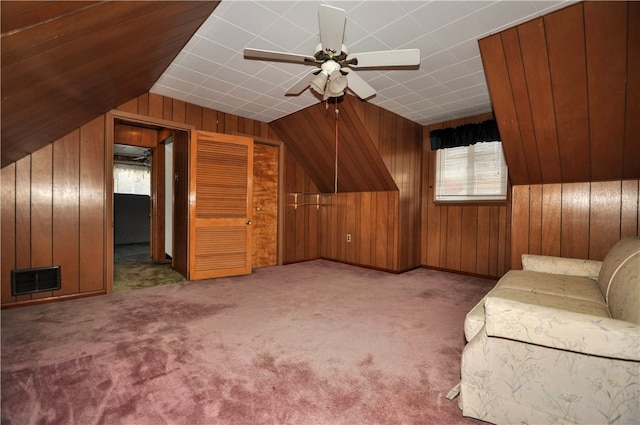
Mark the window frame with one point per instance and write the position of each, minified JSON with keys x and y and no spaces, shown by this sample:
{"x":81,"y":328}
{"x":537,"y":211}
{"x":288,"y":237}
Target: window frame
{"x":471,"y":199}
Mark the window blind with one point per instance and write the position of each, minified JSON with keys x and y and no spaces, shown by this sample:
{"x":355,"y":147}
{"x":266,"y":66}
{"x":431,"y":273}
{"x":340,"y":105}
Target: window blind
{"x":471,"y":173}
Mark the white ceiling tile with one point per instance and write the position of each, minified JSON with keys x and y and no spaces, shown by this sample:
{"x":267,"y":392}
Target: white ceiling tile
{"x":469,"y":92}
{"x":427,"y":44}
{"x":246,"y":66}
{"x":196,"y":99}
{"x":304,"y":14}
{"x":445,"y":99}
{"x":230,"y":75}
{"x":400,"y":33}
{"x":437,"y":14}
{"x":434,"y":91}
{"x":231,"y":101}
{"x":408,"y":98}
{"x":410,"y":6}
{"x":420,"y":83}
{"x":285,"y":35}
{"x":352,"y":34}
{"x":168,"y":91}
{"x":279,"y":7}
{"x":211,"y":67}
{"x":465,"y":50}
{"x":180,"y":85}
{"x":187,"y":74}
{"x":476,"y":5}
{"x":547,"y":6}
{"x":375,"y":15}
{"x":218,"y":85}
{"x":219,"y":33}
{"x":275,"y":76}
{"x":256,"y":85}
{"x":206,"y":93}
{"x":368,"y":44}
{"x":474,"y":64}
{"x":395,"y":91}
{"x":251,"y":16}
{"x":503,"y":14}
{"x":450,"y":73}
{"x":382,"y":82}
{"x":212,"y":51}
{"x":438,"y":61}
{"x":469,"y":80}
{"x":467,"y":28}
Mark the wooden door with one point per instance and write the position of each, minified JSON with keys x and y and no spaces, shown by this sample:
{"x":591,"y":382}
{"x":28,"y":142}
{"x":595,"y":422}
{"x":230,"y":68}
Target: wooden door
{"x":220,"y":205}
{"x":265,"y":205}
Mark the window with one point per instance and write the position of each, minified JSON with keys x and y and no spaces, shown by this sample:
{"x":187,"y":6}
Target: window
{"x":471,"y":173}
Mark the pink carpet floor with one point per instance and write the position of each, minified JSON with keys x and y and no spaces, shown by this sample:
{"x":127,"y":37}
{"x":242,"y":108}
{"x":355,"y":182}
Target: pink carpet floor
{"x":310,"y":343}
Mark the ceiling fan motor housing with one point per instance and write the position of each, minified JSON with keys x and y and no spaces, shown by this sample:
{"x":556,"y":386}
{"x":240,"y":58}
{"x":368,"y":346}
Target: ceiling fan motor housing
{"x":323,"y":55}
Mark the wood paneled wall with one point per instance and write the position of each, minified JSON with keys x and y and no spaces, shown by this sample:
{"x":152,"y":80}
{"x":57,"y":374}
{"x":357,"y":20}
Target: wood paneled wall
{"x":302,"y":222}
{"x":576,"y":220}
{"x":310,"y":134}
{"x":565,"y":89}
{"x":54,"y":200}
{"x":463,"y":238}
{"x":371,"y":218}
{"x":53,"y":214}
{"x":66,"y":62}
{"x":384,"y":225}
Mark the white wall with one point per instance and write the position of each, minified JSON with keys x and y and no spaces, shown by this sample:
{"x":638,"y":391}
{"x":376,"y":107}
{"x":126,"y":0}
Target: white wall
{"x":129,"y":178}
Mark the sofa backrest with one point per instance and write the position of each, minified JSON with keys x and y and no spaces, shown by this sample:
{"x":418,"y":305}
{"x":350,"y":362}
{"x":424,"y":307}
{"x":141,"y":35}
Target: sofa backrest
{"x":616,"y":257}
{"x":624,"y":291}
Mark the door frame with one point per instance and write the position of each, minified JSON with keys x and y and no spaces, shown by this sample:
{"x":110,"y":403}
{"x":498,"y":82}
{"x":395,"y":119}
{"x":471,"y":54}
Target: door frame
{"x":281,"y":189}
{"x":110,"y":122}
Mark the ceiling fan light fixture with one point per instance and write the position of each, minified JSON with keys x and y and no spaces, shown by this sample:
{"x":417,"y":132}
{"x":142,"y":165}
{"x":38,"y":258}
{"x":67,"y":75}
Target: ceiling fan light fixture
{"x":319,"y":83}
{"x":337,"y":83}
{"x":331,"y":55}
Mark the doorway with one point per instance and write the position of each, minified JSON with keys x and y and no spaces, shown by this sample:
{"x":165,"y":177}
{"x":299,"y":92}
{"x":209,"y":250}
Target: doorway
{"x":169,"y":158}
{"x":142,"y":196}
{"x":131,"y":203}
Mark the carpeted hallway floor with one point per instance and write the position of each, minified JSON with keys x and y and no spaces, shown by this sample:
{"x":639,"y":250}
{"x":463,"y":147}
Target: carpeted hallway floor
{"x":308,"y":343}
{"x":134,"y":269}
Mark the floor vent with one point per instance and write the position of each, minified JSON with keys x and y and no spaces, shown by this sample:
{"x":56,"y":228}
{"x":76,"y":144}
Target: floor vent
{"x":30,"y":281}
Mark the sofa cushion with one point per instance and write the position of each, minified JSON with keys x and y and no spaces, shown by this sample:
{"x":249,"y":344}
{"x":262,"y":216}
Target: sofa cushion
{"x":577,"y":287}
{"x":474,"y":321}
{"x":574,"y":305}
{"x":561,"y":328}
{"x":624,"y":291}
{"x":561,"y":265}
{"x":615,"y":258}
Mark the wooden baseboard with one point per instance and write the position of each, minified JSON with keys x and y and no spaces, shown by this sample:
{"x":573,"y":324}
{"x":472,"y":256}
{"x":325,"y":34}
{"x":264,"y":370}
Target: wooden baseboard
{"x":52,"y":299}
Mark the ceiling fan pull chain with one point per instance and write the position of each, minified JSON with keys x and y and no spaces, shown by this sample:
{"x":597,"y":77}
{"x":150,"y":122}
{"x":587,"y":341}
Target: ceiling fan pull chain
{"x":336,"y":166}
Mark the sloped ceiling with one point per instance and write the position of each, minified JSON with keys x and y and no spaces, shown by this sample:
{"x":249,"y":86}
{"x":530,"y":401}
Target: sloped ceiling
{"x":311,"y":135}
{"x":565,"y":89}
{"x":64,"y":63}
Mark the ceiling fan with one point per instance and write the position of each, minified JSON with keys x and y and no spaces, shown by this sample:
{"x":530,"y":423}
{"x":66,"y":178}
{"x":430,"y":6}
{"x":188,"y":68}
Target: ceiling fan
{"x":336,"y":72}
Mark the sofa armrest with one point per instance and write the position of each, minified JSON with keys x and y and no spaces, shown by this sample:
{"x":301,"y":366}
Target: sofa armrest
{"x":561,"y":265}
{"x":565,"y":330}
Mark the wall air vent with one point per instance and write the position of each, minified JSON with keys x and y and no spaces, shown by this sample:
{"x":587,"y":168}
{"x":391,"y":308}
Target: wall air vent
{"x":29,"y":281}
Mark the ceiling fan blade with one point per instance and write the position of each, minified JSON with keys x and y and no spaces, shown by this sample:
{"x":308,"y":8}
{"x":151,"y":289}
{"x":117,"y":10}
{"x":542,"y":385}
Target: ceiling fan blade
{"x":405,"y":57}
{"x":359,"y":86}
{"x":278,"y":56}
{"x":332,"y":20}
{"x":301,"y":85}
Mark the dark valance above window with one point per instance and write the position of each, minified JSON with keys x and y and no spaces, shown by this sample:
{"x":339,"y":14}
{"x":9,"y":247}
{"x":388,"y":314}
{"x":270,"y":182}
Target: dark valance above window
{"x":464,"y":135}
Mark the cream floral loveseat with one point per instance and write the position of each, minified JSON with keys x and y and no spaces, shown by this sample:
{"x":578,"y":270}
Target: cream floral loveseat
{"x":557,"y":343}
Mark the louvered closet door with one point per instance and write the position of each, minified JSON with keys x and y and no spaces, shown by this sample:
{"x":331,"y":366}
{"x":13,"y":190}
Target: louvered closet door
{"x":220,"y":197}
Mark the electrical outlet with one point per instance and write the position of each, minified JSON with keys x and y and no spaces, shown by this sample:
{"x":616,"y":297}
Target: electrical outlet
{"x":348,"y":237}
